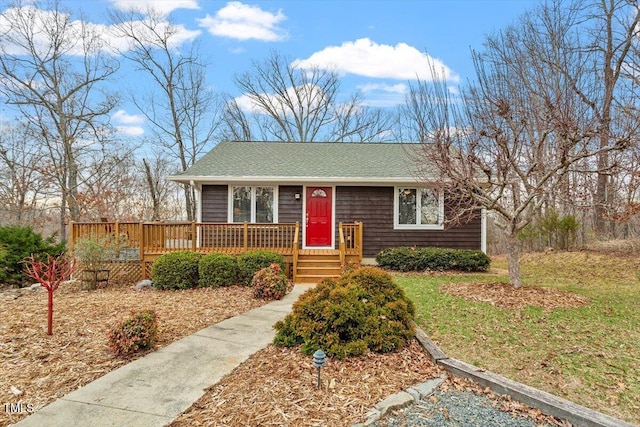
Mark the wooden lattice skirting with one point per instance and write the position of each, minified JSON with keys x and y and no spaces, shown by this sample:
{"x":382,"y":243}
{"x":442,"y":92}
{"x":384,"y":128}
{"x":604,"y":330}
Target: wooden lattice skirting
{"x":120,"y":272}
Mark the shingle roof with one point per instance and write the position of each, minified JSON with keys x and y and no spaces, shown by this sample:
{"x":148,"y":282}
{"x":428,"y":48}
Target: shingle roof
{"x":289,"y":161}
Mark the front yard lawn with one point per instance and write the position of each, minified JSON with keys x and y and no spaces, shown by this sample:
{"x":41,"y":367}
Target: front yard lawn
{"x":576,"y":335}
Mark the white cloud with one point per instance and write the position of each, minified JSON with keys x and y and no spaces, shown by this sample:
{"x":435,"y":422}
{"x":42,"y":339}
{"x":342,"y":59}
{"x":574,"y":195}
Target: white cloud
{"x":42,"y":24}
{"x":244,"y":22}
{"x":106,"y":38}
{"x":128,"y":124}
{"x":383,"y":95}
{"x":130,"y":130}
{"x":400,"y":88}
{"x":125,"y":118}
{"x":366,"y":58}
{"x":162,"y":6}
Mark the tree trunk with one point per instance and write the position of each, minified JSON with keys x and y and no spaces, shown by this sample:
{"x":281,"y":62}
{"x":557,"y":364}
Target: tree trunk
{"x":50,"y":313}
{"x":513,"y":261}
{"x":189,"y":202}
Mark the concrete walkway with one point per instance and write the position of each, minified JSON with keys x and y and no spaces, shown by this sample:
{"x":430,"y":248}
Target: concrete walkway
{"x":155,"y":389}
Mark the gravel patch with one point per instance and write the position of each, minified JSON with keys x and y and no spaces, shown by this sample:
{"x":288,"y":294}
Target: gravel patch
{"x":454,"y":408}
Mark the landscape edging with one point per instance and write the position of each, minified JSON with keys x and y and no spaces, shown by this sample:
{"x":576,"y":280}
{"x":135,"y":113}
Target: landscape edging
{"x":548,"y":403}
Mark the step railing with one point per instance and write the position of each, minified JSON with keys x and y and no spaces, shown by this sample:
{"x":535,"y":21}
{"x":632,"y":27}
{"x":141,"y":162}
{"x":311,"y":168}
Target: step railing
{"x":350,"y":240}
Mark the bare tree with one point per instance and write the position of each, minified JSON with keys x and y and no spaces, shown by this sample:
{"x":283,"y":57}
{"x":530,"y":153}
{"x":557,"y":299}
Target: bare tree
{"x":21,"y":183}
{"x":181,"y":108}
{"x":53,"y":71}
{"x":510,"y":140}
{"x":156,"y":168}
{"x":284,"y":102}
{"x":611,"y":49}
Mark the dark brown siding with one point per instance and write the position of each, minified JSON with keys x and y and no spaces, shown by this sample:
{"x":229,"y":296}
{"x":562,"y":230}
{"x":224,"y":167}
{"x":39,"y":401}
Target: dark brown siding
{"x":215,"y":201}
{"x":289,"y":209}
{"x":373,"y":206}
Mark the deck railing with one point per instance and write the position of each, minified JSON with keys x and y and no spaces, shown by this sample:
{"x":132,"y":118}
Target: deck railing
{"x":146,"y":240}
{"x":158,"y":238}
{"x":351,"y":239}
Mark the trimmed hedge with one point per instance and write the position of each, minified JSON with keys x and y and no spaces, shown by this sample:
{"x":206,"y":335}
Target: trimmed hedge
{"x":434,"y":259}
{"x":362,"y":311}
{"x":176,"y":270}
{"x":217,"y":269}
{"x":250,"y":262}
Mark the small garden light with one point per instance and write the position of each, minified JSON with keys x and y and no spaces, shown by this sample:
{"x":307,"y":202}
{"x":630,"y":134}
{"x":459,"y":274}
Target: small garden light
{"x":319,"y":360}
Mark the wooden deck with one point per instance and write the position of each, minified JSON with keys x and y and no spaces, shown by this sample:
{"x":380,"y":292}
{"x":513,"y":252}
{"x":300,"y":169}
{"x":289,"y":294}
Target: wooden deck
{"x":144,"y":242}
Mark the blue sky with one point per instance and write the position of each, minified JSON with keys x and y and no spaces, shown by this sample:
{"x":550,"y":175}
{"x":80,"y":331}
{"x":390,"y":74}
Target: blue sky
{"x":376,"y":46}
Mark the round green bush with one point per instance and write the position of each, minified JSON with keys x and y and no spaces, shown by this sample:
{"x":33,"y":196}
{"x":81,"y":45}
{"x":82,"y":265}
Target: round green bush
{"x":218,"y":269}
{"x":250,"y":262}
{"x":362,"y":311}
{"x":176,"y":270}
{"x":269,"y":283}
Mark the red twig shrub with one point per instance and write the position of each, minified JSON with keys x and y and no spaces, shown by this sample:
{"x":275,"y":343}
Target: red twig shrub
{"x":49,"y":274}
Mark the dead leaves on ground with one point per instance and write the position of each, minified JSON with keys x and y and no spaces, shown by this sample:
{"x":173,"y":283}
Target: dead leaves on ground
{"x":506,"y":296}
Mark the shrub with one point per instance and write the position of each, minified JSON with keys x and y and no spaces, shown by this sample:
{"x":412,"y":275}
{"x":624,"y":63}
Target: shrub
{"x":269,"y":283}
{"x":176,"y":270}
{"x":250,"y":262}
{"x":363,"y":310}
{"x":434,"y":259}
{"x":18,"y":244}
{"x":218,"y":270}
{"x":137,"y":333}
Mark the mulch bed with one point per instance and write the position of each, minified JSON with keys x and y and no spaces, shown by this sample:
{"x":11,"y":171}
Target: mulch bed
{"x":276,"y":386}
{"x":505,"y":296}
{"x":37,"y":369}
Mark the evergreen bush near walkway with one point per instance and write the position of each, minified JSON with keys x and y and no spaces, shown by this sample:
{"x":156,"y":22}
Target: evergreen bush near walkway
{"x":363,"y":310}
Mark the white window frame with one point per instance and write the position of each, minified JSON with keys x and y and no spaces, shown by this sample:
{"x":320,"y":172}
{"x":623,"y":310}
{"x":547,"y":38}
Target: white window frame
{"x":253,"y":202}
{"x":396,"y":208}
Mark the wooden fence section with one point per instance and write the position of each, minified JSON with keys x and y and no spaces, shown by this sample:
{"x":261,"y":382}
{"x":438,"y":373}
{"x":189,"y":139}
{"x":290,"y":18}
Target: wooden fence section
{"x":145,"y":241}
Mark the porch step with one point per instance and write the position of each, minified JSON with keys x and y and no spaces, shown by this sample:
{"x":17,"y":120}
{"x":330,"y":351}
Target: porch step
{"x":313,"y":268}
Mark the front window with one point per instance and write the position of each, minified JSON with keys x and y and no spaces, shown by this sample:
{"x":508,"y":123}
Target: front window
{"x":252,"y":204}
{"x":419,"y":208}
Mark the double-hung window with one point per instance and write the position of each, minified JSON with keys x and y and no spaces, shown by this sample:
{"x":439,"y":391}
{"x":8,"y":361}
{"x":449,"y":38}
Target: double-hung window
{"x":252,"y":204}
{"x":418,"y":208}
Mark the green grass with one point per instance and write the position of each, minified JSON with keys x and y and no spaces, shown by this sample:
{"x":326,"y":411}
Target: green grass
{"x":589,"y":354}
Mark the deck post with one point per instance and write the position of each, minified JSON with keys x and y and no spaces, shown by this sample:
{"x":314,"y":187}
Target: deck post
{"x":246,"y":236}
{"x":360,"y":240}
{"x":193,"y":236}
{"x":143,"y":245}
{"x":295,"y":252}
{"x":342,"y":244}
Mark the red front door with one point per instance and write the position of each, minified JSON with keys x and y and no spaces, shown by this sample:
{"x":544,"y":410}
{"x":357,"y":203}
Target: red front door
{"x":318,"y":216}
